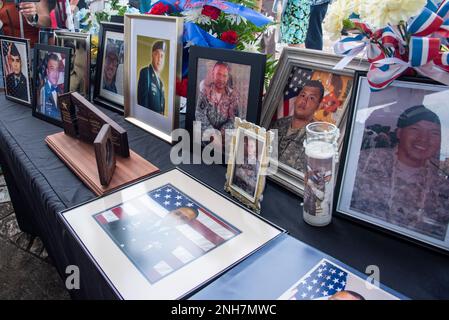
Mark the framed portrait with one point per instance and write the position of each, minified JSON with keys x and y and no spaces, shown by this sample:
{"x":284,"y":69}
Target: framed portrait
{"x":247,"y":167}
{"x":395,"y":167}
{"x":165,"y":237}
{"x":223,"y":84}
{"x":79,"y":44}
{"x":328,"y":280}
{"x":109,"y":76}
{"x":153,"y":60}
{"x":15,"y":54}
{"x":305,"y":89}
{"x":51,"y":78}
{"x":47,"y":36}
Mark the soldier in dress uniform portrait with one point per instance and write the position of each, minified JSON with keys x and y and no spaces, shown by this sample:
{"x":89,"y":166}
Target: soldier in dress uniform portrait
{"x":292,"y":129}
{"x":150,"y":88}
{"x":404,"y":185}
{"x":16,"y":82}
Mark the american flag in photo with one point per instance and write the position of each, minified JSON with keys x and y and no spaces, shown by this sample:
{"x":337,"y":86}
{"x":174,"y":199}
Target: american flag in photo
{"x":296,"y":81}
{"x":207,"y":229}
{"x":141,"y":229}
{"x":323,"y":281}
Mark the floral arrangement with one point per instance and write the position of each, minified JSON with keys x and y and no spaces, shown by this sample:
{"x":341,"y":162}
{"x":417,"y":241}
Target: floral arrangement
{"x":219,"y":24}
{"x":398,"y":37}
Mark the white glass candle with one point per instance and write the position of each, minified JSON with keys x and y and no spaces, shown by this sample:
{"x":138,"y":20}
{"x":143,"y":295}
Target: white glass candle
{"x":320,"y":149}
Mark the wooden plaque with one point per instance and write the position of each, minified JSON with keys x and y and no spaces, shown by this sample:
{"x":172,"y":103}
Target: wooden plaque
{"x":68,"y":113}
{"x":79,"y":156}
{"x":105,"y":154}
{"x":80,"y":116}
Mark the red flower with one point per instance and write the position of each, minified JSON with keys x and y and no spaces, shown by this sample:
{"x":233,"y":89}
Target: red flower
{"x":229,"y":37}
{"x":211,"y":12}
{"x":159,"y":9}
{"x":181,"y":87}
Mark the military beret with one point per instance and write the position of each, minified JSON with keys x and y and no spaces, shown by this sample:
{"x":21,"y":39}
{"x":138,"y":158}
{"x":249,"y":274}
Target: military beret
{"x":159,"y":45}
{"x":415,"y":114}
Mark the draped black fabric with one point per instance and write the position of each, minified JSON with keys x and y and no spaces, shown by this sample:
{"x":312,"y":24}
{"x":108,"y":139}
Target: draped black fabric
{"x":41,"y":186}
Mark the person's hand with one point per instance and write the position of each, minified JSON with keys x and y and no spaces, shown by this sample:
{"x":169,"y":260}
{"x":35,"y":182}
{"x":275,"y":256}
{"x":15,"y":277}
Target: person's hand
{"x":28,"y":9}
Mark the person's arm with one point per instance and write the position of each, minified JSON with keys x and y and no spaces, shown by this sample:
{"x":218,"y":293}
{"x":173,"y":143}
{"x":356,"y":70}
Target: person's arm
{"x":42,"y":9}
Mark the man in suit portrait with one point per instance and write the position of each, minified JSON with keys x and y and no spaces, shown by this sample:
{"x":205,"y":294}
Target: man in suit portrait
{"x":150,"y":89}
{"x":16,"y":82}
{"x":50,"y":90}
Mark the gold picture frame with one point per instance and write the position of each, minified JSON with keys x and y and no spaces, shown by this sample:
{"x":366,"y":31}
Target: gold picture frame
{"x":146,"y":30}
{"x":248,"y":189}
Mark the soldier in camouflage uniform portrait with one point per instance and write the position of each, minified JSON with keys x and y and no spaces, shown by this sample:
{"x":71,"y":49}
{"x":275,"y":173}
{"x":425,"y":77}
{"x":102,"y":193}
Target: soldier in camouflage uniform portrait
{"x":246,"y":173}
{"x":404,"y":185}
{"x":292,"y":129}
{"x":218,"y":103}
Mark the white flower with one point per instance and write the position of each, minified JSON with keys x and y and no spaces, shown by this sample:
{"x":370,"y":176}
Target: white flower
{"x":235,"y":19}
{"x":251,"y":47}
{"x":108,"y":9}
{"x":195,"y":16}
{"x":338,"y":11}
{"x":379,"y":14}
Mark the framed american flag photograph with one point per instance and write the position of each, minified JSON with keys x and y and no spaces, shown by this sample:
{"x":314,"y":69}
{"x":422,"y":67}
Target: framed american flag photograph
{"x":305,"y":89}
{"x":165,"y":237}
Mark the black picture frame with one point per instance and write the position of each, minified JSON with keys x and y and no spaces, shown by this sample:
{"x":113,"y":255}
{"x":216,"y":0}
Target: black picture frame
{"x":97,"y":97}
{"x":256,"y":61}
{"x":36,"y":78}
{"x":25,"y":42}
{"x":341,"y":174}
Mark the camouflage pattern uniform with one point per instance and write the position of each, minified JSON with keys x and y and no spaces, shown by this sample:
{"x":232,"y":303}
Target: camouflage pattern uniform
{"x":290,"y":143}
{"x":219,"y":115}
{"x":414,"y":198}
{"x":245,"y":177}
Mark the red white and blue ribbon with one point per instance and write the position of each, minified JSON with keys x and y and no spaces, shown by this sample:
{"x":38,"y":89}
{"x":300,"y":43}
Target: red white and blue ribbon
{"x":426,"y":31}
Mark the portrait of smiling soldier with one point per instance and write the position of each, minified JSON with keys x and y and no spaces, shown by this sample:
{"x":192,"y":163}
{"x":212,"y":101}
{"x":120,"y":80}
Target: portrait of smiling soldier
{"x":403,"y":184}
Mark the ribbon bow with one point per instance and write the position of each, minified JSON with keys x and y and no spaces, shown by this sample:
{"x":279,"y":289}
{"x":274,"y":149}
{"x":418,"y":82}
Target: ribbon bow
{"x":424,"y":53}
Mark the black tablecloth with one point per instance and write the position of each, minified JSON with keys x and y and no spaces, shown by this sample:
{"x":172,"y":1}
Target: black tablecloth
{"x":41,"y":185}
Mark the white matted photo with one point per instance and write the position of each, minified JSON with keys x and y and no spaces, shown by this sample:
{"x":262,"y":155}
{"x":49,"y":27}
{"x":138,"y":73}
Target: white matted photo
{"x":153,"y":63}
{"x":397,"y":163}
{"x":166,"y":236}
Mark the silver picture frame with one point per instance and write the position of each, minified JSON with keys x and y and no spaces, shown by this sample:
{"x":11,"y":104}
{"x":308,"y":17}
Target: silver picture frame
{"x":61,"y":39}
{"x":281,"y":173}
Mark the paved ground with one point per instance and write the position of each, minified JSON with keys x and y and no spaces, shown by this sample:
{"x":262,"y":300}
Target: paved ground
{"x":26,"y":271}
